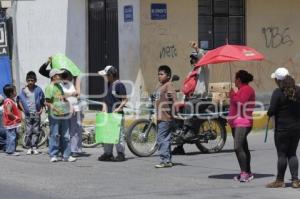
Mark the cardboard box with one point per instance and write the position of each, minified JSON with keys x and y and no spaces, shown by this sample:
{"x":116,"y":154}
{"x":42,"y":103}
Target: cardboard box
{"x":220,"y":98}
{"x":220,"y":87}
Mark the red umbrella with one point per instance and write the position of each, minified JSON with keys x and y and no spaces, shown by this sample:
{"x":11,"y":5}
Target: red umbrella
{"x":229,"y":53}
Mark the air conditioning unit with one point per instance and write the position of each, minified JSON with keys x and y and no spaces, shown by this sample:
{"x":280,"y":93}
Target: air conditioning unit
{"x":5,"y":3}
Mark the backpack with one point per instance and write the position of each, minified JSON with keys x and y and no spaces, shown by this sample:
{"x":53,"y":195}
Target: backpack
{"x":190,"y":83}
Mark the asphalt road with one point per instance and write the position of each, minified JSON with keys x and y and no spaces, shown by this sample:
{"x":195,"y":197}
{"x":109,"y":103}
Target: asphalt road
{"x":194,"y":175}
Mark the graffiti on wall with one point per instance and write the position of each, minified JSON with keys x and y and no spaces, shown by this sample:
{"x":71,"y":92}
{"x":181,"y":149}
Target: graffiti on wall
{"x":168,"y":52}
{"x":276,"y":37}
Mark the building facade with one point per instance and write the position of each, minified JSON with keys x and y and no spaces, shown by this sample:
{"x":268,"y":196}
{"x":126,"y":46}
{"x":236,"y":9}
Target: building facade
{"x":139,"y":35}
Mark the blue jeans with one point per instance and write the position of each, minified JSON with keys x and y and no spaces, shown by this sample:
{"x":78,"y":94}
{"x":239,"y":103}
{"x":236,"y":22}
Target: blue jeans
{"x":11,"y":137}
{"x":59,"y":137}
{"x":164,"y":140}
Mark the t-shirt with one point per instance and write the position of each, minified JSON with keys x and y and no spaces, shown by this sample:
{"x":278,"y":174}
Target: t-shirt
{"x":115,"y":93}
{"x":69,"y":89}
{"x":286,"y":112}
{"x":8,"y":123}
{"x":30,"y":99}
{"x":54,"y":94}
{"x":165,"y":98}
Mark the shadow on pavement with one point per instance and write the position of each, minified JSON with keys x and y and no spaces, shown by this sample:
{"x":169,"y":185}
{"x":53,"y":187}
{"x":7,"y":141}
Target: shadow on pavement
{"x":180,"y":164}
{"x":222,"y":151}
{"x":231,"y":176}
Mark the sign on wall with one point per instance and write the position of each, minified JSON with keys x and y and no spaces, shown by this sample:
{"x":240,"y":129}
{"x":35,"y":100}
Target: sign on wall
{"x":3,"y":40}
{"x":158,"y":11}
{"x":128,"y":13}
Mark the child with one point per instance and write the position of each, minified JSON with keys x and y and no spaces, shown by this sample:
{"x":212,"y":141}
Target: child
{"x":31,"y":101}
{"x":11,"y":119}
{"x":165,"y":98}
{"x":58,"y":118}
{"x":115,"y":100}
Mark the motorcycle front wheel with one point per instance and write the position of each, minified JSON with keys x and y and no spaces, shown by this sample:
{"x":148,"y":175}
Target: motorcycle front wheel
{"x":141,"y":138}
{"x":214,"y":136}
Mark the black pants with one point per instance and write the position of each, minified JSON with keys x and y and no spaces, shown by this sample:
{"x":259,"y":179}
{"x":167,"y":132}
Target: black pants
{"x":286,"y":143}
{"x":241,"y":147}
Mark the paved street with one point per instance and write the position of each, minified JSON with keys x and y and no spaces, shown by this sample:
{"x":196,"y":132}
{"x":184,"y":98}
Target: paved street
{"x":195,"y":175}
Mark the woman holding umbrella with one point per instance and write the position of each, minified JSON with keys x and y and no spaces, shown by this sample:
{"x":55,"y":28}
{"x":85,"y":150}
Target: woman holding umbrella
{"x":242,"y":103}
{"x":285,"y":106}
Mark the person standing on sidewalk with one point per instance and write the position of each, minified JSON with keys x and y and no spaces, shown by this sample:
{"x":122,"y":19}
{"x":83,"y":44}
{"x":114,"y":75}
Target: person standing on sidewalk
{"x":115,"y":100}
{"x":31,"y":102}
{"x":242,"y":103}
{"x":165,"y":99}
{"x":285,"y":106}
{"x":11,"y":119}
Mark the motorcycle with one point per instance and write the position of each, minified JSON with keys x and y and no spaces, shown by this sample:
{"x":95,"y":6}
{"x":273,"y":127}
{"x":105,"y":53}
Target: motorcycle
{"x":209,"y":130}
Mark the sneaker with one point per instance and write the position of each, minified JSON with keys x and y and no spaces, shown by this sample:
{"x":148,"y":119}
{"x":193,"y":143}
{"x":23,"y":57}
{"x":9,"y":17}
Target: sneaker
{"x":178,"y":150}
{"x":120,"y":157}
{"x":238,"y":177}
{"x":35,"y":152}
{"x":296,"y":184}
{"x":69,"y":159}
{"x":276,"y":184}
{"x":13,"y":154}
{"x":244,"y":177}
{"x":29,"y":152}
{"x":106,"y":157}
{"x":164,"y":165}
{"x":54,"y":159}
{"x":251,"y":176}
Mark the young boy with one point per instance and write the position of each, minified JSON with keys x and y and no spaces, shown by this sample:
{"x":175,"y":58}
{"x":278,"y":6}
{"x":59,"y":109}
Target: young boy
{"x":115,"y":99}
{"x":11,"y":119}
{"x":31,"y":101}
{"x":165,"y":98}
{"x":58,"y":118}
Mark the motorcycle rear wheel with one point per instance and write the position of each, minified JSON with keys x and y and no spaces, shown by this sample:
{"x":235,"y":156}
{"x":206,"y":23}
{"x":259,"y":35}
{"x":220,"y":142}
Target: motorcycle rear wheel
{"x":218,"y":136}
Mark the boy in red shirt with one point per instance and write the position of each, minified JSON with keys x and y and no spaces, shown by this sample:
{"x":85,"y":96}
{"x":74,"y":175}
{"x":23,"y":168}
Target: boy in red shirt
{"x":11,"y":118}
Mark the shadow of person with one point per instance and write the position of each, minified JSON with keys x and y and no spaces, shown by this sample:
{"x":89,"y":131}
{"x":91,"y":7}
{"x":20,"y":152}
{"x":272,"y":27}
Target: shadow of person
{"x":231,"y":176}
{"x":220,"y":152}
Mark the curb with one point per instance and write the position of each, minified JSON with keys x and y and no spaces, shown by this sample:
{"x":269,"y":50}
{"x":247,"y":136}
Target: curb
{"x":260,"y":120}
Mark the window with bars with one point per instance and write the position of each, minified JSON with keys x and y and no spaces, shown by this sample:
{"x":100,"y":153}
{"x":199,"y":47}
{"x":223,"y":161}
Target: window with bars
{"x":221,"y":22}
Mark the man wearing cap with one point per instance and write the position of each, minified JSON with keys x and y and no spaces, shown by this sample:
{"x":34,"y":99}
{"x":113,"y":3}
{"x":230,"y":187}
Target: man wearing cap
{"x":59,"y":110}
{"x":200,"y":90}
{"x":115,"y":100}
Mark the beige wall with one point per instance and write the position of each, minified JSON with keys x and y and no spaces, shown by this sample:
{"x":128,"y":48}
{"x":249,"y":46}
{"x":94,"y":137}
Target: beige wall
{"x":158,"y":36}
{"x":272,"y":27}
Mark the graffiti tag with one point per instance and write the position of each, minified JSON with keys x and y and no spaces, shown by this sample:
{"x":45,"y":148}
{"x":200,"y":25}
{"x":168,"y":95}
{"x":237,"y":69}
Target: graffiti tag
{"x":168,"y":52}
{"x":275,"y":37}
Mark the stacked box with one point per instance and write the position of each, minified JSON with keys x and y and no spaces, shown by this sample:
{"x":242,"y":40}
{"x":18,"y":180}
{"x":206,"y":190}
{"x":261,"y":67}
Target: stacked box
{"x":220,"y":92}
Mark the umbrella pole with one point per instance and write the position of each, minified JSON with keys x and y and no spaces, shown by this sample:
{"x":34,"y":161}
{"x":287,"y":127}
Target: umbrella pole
{"x":230,"y":75}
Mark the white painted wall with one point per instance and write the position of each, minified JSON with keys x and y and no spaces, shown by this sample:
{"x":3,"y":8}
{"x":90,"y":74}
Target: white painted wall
{"x":43,"y":28}
{"x":129,"y":49}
